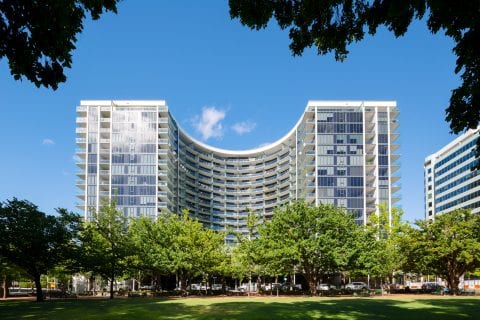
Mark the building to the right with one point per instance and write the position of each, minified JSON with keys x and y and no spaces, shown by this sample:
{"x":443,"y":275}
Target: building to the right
{"x":450,"y":178}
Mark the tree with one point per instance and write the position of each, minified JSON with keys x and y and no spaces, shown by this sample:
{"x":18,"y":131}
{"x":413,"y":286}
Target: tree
{"x":332,"y":25}
{"x":38,"y":37}
{"x":176,"y":245}
{"x":245,"y":255}
{"x":381,"y":255}
{"x":105,"y":244}
{"x":153,"y":241}
{"x":196,"y":250}
{"x":34,"y":241}
{"x":449,"y":246}
{"x":318,"y":240}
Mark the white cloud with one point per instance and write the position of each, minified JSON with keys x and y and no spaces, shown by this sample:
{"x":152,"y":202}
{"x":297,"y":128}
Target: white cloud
{"x":209,"y":123}
{"x":48,"y":142}
{"x":244,"y":127}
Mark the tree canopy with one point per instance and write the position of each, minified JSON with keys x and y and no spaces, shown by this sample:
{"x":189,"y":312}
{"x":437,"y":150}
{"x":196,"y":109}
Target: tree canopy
{"x":105,"y":244}
{"x":176,"y":245}
{"x":380,"y":254}
{"x":316,"y":240}
{"x":34,"y":241}
{"x":449,"y":246}
{"x":332,"y":25}
{"x":38,"y":37}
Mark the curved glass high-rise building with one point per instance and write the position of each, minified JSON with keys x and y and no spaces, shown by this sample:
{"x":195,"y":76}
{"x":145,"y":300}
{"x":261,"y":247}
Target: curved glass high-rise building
{"x":339,"y":152}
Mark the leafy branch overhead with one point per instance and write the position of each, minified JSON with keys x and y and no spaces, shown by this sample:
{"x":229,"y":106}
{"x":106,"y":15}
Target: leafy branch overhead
{"x":38,"y":37}
{"x":332,"y":25}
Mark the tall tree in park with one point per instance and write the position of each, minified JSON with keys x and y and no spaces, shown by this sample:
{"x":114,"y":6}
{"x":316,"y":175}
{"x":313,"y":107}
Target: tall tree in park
{"x":196,"y":250}
{"x":105,"y":244}
{"x":317,"y":240}
{"x":38,"y":37}
{"x":153,"y":241}
{"x":176,"y":245}
{"x":381,"y":255}
{"x":449,"y":246}
{"x":34,"y":241}
{"x":331,"y":26}
{"x":245,"y":256}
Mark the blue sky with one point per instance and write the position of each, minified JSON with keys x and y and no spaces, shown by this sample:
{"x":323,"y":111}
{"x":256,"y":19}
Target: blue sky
{"x":244,"y":84}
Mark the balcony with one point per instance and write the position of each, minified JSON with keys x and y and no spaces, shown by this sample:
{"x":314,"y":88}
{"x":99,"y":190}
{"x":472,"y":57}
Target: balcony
{"x":396,"y":187}
{"x":394,"y":137}
{"x":80,"y":184}
{"x":395,"y":178}
{"x":81,"y":163}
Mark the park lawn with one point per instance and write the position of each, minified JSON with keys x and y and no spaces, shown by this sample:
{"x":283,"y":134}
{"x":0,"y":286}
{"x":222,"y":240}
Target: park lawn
{"x":396,"y":307}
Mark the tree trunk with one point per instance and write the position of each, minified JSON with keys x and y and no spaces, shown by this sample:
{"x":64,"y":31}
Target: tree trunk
{"x":111,"y":286}
{"x":452,"y":280}
{"x":5,"y":287}
{"x":183,"y":277}
{"x":38,"y":285}
{"x":455,"y":281}
{"x":312,"y":281}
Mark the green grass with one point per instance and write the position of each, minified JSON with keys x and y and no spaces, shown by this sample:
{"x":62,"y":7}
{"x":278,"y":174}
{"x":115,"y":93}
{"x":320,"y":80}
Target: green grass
{"x":247,"y":308}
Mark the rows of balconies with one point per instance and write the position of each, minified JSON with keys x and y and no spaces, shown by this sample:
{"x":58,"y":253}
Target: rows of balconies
{"x":201,"y":163}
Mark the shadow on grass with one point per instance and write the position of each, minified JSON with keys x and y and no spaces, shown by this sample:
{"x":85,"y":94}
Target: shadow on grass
{"x":301,"y":308}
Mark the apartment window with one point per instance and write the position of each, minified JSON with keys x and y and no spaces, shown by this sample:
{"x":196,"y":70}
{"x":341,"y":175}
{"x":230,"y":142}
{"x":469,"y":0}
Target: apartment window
{"x":321,"y":116}
{"x":325,"y":139}
{"x":326,"y":192}
{"x":382,"y":138}
{"x":326,"y":181}
{"x":342,"y":203}
{"x":356,"y":160}
{"x":383,"y":160}
{"x":325,"y":149}
{"x":341,"y":171}
{"x":322,"y":171}
{"x":340,"y":138}
{"x":355,"y":192}
{"x":383,"y":149}
{"x":341,"y":149}
{"x":326,"y":201}
{"x":325,"y":160}
{"x":325,"y":128}
{"x":341,"y":193}
{"x":355,"y":170}
{"x":341,"y":161}
{"x":355,"y":182}
{"x":342,"y":182}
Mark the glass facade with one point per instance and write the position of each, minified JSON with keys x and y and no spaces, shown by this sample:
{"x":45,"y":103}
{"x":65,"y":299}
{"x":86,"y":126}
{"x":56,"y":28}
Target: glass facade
{"x":339,"y":153}
{"x":134,"y":159}
{"x":450,"y":178}
{"x":340,"y":159}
